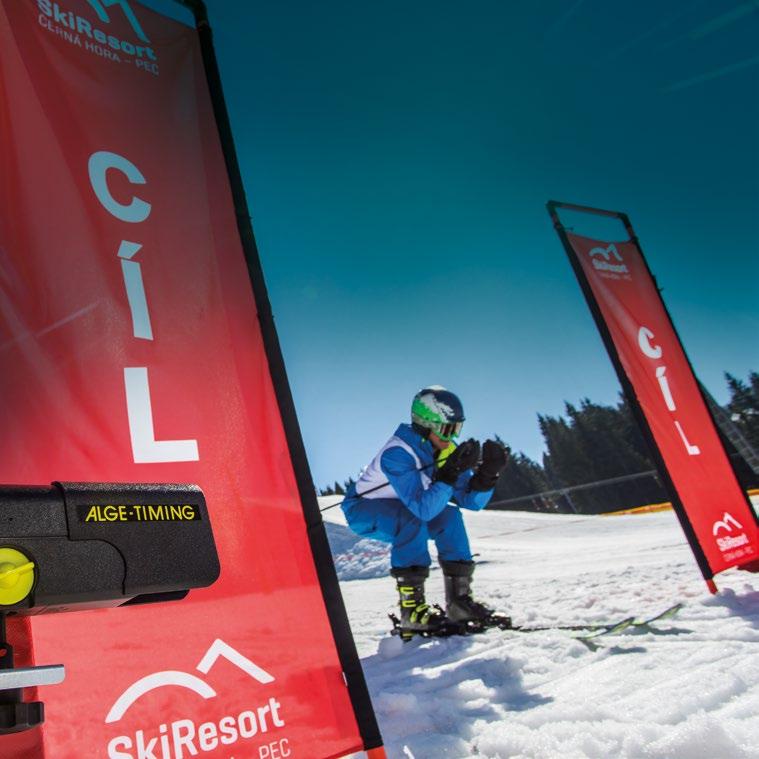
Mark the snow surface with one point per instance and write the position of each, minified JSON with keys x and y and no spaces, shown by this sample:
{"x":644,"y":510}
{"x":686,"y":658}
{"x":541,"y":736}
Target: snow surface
{"x":688,"y":689}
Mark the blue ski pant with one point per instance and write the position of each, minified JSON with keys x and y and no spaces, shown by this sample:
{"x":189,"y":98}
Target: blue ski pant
{"x":388,"y":520}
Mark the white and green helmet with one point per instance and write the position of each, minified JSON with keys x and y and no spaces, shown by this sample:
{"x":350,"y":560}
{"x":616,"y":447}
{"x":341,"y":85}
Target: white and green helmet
{"x":438,"y":410}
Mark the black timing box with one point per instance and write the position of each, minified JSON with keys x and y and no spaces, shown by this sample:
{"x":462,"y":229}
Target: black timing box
{"x":107,"y":544}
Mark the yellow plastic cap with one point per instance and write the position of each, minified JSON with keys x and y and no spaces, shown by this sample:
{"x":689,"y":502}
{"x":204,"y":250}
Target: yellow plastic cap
{"x":16,"y":576}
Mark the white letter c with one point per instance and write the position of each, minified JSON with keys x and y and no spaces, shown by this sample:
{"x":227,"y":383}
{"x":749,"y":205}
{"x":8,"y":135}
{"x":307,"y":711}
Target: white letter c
{"x":644,"y":341}
{"x":99,"y":163}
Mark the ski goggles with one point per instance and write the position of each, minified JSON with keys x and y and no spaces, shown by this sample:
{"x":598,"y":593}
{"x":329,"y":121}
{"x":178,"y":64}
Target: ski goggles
{"x":449,"y":430}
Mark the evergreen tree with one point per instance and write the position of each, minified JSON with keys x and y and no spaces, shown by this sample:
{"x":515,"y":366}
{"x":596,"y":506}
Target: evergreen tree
{"x":337,"y":488}
{"x":640,"y":454}
{"x":596,"y":443}
{"x":522,"y":477}
{"x":744,"y":406}
{"x":566,"y":461}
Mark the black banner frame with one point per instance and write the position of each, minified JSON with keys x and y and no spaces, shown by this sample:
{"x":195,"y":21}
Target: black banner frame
{"x":317,"y":534}
{"x":553,"y":206}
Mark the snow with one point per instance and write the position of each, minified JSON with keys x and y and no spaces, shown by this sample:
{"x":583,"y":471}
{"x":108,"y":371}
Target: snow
{"x":688,"y":689}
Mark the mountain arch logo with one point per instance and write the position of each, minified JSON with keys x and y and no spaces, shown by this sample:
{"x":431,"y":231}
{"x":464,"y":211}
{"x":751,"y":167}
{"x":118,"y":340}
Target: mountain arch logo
{"x":99,"y":6}
{"x":179,"y":738}
{"x":603,"y":260}
{"x":728,"y":523}
{"x":735,"y":543}
{"x":218,"y":650}
{"x":607,"y":252}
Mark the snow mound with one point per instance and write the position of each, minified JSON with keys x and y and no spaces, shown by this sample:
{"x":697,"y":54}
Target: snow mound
{"x":686,"y":688}
{"x":357,"y":558}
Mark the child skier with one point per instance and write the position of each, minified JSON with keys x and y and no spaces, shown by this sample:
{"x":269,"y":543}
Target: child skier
{"x":402,"y":498}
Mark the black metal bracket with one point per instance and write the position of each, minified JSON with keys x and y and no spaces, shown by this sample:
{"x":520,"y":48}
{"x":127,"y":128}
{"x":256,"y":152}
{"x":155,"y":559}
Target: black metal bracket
{"x":17,"y":715}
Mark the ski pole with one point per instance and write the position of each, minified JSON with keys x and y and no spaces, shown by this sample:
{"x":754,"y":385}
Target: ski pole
{"x":387,"y":482}
{"x":377,"y":487}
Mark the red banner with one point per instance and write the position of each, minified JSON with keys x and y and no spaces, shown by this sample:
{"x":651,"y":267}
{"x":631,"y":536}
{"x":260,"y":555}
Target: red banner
{"x":667,"y":392}
{"x":131,"y":351}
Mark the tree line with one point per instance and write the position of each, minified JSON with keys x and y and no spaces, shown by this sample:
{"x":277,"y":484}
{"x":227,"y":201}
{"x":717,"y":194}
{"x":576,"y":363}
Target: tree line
{"x":591,"y":443}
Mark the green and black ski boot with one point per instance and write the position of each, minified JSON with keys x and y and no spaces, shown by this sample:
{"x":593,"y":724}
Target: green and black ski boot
{"x":417,"y":616}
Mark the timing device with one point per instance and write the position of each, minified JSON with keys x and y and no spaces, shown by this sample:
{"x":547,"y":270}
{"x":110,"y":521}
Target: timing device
{"x":74,"y":546}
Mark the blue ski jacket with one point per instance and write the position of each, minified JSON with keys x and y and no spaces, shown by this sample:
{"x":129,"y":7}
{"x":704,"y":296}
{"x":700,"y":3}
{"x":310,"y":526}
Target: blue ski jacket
{"x":403,"y":470}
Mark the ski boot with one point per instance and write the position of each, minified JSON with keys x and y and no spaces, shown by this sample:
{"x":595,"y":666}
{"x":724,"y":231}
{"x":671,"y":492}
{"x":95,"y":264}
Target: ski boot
{"x":462,"y":610}
{"x":417,"y":616}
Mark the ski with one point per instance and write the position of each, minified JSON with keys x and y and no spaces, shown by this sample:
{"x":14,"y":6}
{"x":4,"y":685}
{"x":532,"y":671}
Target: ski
{"x":595,"y":626}
{"x":666,"y":614}
{"x":502,"y":622}
{"x":609,"y":629}
{"x":630,"y":622}
{"x":448,"y":628}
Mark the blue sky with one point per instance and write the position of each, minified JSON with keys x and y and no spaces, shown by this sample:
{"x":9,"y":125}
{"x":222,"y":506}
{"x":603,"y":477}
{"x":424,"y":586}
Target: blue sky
{"x":397,"y":159}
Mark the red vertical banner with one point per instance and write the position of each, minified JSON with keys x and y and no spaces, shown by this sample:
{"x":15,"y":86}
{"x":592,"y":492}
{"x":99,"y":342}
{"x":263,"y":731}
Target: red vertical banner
{"x":716,"y":514}
{"x":133,"y":350}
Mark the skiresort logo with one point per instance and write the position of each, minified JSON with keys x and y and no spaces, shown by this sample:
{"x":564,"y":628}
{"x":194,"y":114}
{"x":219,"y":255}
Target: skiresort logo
{"x":183,"y":737}
{"x":730,"y":524}
{"x":605,"y":265}
{"x":727,"y":523}
{"x":607,"y":252}
{"x":86,"y":33}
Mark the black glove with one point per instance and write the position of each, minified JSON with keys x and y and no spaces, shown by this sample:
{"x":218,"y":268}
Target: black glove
{"x":495,"y":456}
{"x":464,"y":457}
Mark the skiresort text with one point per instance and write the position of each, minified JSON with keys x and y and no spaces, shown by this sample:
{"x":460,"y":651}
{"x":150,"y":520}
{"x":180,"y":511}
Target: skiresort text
{"x":79,"y":31}
{"x":183,"y":738}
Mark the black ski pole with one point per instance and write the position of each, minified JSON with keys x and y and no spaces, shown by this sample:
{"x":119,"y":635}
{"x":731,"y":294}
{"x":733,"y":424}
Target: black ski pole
{"x":387,"y":482}
{"x":377,"y":487}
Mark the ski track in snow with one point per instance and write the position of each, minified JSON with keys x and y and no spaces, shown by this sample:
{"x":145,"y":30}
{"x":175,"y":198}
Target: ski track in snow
{"x":686,"y":689}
